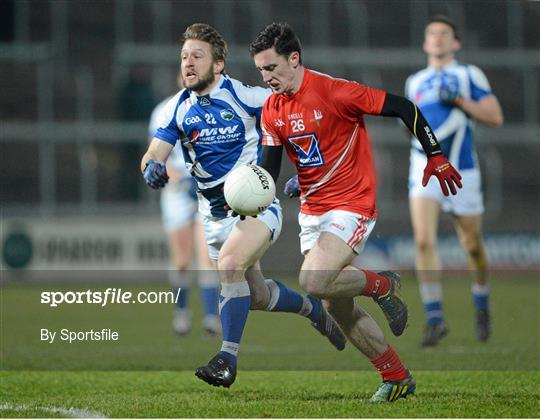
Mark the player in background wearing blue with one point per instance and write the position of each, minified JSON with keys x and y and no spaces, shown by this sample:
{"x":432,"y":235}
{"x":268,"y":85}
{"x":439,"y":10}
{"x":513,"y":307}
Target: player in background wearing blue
{"x":450,"y":95}
{"x":185,"y":233}
{"x":217,"y":121}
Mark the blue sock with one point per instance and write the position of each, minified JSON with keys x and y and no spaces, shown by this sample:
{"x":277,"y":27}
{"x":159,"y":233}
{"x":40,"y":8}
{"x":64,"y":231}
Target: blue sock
{"x":283,"y":299}
{"x":433,"y":312}
{"x":315,"y":313}
{"x":182,"y":301}
{"x":181,"y":279}
{"x":210,"y":299}
{"x":480,"y":295}
{"x":234,"y":304}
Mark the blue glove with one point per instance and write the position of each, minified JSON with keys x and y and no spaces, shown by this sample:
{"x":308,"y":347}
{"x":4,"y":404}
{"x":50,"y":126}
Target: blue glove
{"x":292,"y":188}
{"x":155,"y":174}
{"x":449,"y":95}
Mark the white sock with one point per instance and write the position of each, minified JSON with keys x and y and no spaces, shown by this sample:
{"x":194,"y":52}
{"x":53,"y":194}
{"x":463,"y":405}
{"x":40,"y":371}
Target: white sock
{"x":181,"y":279}
{"x":480,"y":289}
{"x":431,"y":292}
{"x":307,"y":307}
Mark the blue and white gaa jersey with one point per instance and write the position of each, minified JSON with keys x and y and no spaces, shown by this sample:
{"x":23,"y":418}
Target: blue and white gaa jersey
{"x":453,"y":128}
{"x":218,"y":132}
{"x":176,"y":158}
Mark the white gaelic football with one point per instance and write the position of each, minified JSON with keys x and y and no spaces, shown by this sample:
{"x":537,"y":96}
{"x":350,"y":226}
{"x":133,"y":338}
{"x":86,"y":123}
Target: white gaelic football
{"x":249,"y":190}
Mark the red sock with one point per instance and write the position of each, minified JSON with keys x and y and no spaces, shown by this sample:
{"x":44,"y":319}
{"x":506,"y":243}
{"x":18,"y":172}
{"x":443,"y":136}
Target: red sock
{"x":376,"y":285}
{"x":389,"y":366}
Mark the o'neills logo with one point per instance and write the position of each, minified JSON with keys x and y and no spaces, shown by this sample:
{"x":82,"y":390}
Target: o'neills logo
{"x":428,"y":132}
{"x":262,"y":177}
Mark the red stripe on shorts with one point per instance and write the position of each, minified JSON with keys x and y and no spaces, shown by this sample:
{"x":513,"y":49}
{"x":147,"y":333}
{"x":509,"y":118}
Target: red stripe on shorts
{"x":359,"y":233}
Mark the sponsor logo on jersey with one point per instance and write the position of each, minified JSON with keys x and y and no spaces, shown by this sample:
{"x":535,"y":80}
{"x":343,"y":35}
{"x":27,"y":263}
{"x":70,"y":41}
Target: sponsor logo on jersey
{"x":227,"y":114}
{"x":192,"y":120}
{"x":307,"y":149}
{"x":279,"y":122}
{"x":203,"y":101}
{"x":206,"y":132}
{"x":217,"y":134}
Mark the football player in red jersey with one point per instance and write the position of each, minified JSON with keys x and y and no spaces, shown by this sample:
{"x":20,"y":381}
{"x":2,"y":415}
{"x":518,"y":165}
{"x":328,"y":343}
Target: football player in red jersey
{"x":319,"y":121}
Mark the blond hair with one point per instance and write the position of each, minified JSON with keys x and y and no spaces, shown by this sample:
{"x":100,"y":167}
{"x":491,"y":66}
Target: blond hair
{"x":204,"y":32}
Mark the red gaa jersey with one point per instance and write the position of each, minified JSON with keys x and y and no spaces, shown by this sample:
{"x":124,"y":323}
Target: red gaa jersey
{"x":323,"y":131}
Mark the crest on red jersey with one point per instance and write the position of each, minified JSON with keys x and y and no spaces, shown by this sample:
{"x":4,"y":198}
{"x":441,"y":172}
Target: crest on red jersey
{"x":307,"y":149}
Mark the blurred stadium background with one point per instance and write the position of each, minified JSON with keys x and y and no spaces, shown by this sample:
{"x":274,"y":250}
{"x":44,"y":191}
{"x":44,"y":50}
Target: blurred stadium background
{"x":80,"y":78}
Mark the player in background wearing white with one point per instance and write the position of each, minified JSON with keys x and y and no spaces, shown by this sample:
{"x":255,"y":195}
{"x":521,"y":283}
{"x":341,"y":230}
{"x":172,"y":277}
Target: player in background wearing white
{"x":216,"y":118}
{"x":186,"y":238}
{"x":451,"y":95}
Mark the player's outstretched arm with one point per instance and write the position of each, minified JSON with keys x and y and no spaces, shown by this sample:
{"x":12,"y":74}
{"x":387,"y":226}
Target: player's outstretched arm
{"x":438,"y":165}
{"x":158,"y":150}
{"x":271,"y":160}
{"x":153,"y":163}
{"x":487,"y":110}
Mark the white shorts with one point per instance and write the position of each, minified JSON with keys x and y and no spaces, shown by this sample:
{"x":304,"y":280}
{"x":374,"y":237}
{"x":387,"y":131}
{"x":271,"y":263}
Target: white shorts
{"x":467,"y":202}
{"x":218,"y":230}
{"x":178,"y":208}
{"x":353,"y":228}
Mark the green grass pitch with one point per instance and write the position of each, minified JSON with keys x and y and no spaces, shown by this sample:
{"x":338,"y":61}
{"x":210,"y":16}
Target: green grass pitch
{"x":286,"y":368}
{"x":269,"y":394}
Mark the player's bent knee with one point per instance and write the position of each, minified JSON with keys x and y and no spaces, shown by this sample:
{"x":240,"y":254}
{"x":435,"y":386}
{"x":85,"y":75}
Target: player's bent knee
{"x":424,"y":246}
{"x":229,"y":265}
{"x":182,"y":265}
{"x":472,"y":244}
{"x":474,"y":250}
{"x":313,"y":282}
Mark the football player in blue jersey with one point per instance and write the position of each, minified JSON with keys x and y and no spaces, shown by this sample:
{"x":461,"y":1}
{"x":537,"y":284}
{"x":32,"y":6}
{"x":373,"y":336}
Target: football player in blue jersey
{"x":452,"y":96}
{"x":185,"y":233}
{"x":216,"y":120}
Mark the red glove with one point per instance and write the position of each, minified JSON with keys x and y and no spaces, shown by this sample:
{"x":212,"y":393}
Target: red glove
{"x":439,"y":166}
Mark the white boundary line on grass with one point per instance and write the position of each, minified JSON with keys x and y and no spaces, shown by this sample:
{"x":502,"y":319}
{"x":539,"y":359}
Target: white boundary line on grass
{"x":68,"y":412}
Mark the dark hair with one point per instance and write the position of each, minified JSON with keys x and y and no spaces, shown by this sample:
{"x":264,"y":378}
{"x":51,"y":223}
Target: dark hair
{"x":280,"y":36}
{"x":204,"y":32}
{"x":447,"y":21}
